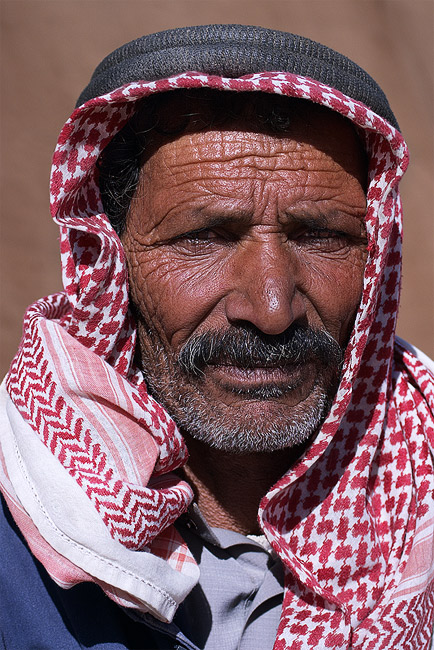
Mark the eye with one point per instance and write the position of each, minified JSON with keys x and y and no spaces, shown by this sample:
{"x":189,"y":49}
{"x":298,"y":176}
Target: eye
{"x":200,"y":235}
{"x":203,"y":240}
{"x":324,"y":234}
{"x":326,"y":239}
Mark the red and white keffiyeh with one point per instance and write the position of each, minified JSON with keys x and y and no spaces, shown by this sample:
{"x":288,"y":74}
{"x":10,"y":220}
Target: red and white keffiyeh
{"x":353,"y":521}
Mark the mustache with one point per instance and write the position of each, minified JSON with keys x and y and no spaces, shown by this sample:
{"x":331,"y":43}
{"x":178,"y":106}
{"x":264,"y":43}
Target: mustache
{"x":249,"y":348}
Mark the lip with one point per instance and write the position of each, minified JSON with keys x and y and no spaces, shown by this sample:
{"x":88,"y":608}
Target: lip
{"x":233,"y":377}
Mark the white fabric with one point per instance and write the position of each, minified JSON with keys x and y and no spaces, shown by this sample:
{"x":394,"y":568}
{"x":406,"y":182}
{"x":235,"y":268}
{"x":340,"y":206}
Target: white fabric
{"x":66,"y":519}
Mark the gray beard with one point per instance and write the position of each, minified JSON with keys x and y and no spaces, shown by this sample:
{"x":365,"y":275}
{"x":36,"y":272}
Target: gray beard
{"x":239,"y":433}
{"x":178,"y":384}
{"x":244,"y":435}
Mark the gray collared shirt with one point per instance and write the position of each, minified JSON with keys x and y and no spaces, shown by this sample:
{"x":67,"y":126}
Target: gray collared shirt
{"x":238,"y":601}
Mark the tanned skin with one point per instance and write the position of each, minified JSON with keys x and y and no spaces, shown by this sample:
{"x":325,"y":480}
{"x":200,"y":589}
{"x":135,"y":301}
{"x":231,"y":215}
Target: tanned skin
{"x":238,"y":226}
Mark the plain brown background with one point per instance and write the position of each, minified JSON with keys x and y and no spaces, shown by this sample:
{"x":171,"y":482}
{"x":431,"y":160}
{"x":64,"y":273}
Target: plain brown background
{"x":50,"y":47}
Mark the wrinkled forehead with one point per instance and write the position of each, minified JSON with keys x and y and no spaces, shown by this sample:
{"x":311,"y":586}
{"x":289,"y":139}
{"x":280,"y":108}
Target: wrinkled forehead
{"x":167,"y":117}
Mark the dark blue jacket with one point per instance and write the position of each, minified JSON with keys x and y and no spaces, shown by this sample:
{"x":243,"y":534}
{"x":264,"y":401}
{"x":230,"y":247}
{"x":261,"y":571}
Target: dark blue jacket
{"x":37,"y":614}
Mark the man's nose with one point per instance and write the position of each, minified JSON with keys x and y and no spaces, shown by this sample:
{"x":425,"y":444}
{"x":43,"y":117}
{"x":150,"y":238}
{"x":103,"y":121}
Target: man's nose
{"x":264,"y":288}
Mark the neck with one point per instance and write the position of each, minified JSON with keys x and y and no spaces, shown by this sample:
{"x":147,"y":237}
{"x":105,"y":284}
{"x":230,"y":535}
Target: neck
{"x":229,"y":487}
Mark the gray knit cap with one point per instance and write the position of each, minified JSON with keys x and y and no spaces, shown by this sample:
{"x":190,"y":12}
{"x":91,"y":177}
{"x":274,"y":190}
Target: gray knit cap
{"x":234,"y":51}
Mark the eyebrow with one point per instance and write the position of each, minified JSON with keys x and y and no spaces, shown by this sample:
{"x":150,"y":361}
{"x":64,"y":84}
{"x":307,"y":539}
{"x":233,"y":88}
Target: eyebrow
{"x":219,"y":218}
{"x":323,"y":217}
{"x":308,"y":220}
{"x":212,"y":217}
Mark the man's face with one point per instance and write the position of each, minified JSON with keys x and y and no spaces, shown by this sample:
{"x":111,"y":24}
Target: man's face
{"x":239,"y":242}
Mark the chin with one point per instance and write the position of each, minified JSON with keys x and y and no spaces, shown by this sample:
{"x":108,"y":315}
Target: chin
{"x":249,"y":424}
{"x":244,"y":411}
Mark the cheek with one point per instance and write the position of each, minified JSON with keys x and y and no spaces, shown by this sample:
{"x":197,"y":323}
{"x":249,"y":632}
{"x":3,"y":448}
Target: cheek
{"x":333,"y":287}
{"x":174,"y":296}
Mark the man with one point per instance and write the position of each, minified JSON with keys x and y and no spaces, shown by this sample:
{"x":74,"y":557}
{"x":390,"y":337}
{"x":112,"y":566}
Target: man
{"x":231,"y":263}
